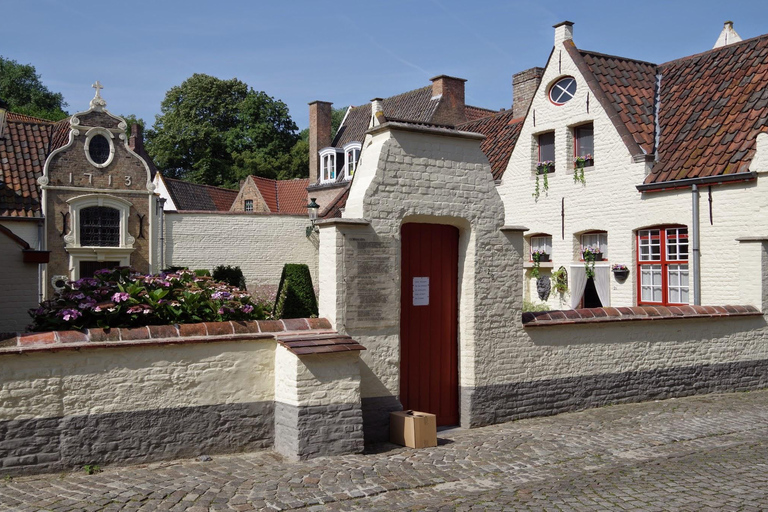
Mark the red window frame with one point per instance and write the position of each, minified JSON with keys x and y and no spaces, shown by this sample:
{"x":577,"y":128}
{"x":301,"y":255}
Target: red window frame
{"x":577,"y":137}
{"x":538,"y":141}
{"x":664,"y":234}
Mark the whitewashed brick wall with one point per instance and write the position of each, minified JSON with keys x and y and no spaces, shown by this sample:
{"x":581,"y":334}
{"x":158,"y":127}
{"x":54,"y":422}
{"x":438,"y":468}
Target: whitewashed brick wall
{"x":259,"y":244}
{"x":610,"y":202}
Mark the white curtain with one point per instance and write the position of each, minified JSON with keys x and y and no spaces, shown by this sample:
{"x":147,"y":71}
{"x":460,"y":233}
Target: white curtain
{"x":603,"y":284}
{"x":578,"y":283}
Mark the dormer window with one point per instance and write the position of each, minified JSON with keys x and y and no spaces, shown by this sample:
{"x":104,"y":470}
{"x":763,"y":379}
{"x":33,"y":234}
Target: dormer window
{"x":351,"y":156}
{"x":331,"y":162}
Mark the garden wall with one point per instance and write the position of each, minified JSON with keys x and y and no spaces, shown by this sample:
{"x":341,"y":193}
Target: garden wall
{"x":73,"y":398}
{"x":260,"y":244}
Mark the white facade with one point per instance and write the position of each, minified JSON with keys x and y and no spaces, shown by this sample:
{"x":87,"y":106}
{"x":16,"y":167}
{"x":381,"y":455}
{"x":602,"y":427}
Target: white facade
{"x":609,"y":201}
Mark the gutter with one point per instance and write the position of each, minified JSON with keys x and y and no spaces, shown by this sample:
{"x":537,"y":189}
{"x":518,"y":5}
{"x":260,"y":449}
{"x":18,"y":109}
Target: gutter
{"x":688,"y":182}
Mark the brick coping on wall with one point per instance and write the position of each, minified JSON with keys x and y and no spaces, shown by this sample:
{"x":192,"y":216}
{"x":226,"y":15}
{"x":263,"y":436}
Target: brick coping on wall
{"x":206,"y":332}
{"x":628,"y":314}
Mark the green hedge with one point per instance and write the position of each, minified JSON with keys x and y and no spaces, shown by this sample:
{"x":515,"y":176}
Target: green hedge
{"x":233,"y":276}
{"x":295,"y":295}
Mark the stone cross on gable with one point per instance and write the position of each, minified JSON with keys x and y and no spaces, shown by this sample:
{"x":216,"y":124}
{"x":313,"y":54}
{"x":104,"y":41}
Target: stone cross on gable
{"x":98,"y":88}
{"x":98,"y":103}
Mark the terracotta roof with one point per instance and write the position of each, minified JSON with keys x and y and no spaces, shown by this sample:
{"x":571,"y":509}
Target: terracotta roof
{"x":501,"y":132}
{"x":713,"y":105}
{"x":333,"y":210}
{"x":191,"y":196}
{"x":629,"y":87}
{"x":23,"y":150}
{"x":475,"y":113}
{"x":283,"y":196}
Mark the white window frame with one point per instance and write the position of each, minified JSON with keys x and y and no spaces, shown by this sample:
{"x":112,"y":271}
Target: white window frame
{"x":78,"y":252}
{"x":328,"y":167}
{"x":597,"y":239}
{"x":351,"y":165}
{"x":541,"y":242}
{"x":248,"y":205}
{"x":89,"y":135}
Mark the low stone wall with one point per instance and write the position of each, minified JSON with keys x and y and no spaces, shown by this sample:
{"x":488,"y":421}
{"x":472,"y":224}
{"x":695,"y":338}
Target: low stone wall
{"x":143,"y":394}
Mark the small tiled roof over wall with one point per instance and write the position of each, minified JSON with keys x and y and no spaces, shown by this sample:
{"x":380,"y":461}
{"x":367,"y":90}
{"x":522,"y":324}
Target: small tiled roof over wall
{"x":23,"y":150}
{"x":283,"y":196}
{"x":191,"y":196}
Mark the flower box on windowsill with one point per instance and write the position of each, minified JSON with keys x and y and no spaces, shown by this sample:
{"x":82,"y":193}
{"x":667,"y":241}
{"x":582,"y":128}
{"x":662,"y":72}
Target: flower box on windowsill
{"x":545,"y":169}
{"x":587,"y":163}
{"x":598,"y":256}
{"x":542,"y":257}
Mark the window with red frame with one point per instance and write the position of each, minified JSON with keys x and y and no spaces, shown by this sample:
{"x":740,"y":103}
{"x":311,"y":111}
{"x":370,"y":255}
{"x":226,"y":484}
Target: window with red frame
{"x":662,"y":265}
{"x":547,"y":149}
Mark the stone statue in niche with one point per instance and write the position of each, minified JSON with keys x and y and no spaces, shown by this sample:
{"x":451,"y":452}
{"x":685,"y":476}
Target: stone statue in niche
{"x":543,"y":287}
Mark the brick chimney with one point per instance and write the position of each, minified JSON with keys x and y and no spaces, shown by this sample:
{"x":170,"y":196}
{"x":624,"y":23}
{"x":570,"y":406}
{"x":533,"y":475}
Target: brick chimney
{"x":563,"y":32}
{"x":136,"y":142}
{"x":319,"y":135}
{"x":524,"y":86}
{"x":450,"y":110}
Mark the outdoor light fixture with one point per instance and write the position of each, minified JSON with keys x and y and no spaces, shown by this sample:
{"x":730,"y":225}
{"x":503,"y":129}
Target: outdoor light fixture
{"x":312,"y":209}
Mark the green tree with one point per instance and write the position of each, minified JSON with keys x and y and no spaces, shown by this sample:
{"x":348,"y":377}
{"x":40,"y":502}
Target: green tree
{"x":131,"y":120}
{"x":21,"y":88}
{"x":217,"y":131}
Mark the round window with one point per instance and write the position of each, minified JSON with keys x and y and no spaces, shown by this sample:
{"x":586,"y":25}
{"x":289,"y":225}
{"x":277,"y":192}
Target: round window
{"x":563,"y":90}
{"x":99,"y":149}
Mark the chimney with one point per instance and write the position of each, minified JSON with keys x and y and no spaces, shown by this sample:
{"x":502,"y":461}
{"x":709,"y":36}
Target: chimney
{"x":524,"y":87}
{"x":377,"y":113}
{"x":563,"y":32}
{"x":450,"y":110}
{"x":727,"y":36}
{"x":319,"y":135}
{"x":136,"y":142}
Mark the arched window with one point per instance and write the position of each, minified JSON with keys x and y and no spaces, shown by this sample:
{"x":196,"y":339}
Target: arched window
{"x":662,"y":265}
{"x":99,"y":226}
{"x":351,"y":156}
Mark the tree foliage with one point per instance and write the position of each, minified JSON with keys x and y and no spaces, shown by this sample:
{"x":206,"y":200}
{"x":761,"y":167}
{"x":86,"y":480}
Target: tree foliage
{"x":21,"y":88}
{"x":217,"y":132}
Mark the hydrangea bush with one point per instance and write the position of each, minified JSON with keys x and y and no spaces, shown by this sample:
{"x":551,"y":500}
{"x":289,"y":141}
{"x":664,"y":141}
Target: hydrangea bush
{"x":121,"y":297}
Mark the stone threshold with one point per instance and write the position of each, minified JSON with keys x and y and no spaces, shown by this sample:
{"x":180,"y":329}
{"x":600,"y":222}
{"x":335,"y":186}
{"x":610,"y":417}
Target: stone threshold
{"x":162,"y":334}
{"x":636,"y":313}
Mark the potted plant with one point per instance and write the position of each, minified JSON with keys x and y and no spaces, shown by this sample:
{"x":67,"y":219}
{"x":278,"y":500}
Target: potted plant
{"x":539,"y":255}
{"x":591,"y":255}
{"x":579,"y":162}
{"x":620,"y":271}
{"x":543,"y":169}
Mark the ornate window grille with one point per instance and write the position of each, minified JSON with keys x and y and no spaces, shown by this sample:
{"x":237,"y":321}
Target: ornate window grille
{"x":99,"y":227}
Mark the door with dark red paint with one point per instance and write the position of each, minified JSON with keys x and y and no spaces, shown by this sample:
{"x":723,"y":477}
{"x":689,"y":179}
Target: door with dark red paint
{"x":429,"y":375}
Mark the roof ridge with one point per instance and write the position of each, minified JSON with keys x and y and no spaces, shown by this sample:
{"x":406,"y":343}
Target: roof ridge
{"x":17,"y":117}
{"x":199,"y":184}
{"x":615,"y":56}
{"x":714,"y":50}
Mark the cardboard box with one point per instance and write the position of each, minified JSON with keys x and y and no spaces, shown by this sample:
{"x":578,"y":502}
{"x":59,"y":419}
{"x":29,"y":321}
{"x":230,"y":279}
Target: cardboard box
{"x":413,"y":429}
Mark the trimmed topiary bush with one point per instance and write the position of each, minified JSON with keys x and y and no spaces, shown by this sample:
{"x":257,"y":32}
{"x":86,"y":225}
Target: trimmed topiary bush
{"x":295,"y":295}
{"x":233,"y":276}
{"x":123,"y":298}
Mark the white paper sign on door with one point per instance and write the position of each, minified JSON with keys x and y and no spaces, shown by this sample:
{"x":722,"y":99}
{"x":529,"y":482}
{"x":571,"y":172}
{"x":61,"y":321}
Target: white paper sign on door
{"x":421,"y":291}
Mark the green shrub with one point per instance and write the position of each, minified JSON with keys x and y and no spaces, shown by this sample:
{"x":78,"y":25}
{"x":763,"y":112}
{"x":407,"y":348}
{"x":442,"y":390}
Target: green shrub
{"x":532,"y":306}
{"x":233,"y":276}
{"x":295,"y":295}
{"x":202,"y":272}
{"x":121,"y":297}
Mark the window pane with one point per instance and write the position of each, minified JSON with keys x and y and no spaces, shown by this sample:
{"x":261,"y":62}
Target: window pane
{"x":547,"y":147}
{"x":99,"y":227}
{"x":585,"y":141}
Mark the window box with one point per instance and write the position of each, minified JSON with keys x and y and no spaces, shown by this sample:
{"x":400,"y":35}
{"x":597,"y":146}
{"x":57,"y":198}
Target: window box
{"x":542,"y":257}
{"x":598,"y":256}
{"x":545,"y":168}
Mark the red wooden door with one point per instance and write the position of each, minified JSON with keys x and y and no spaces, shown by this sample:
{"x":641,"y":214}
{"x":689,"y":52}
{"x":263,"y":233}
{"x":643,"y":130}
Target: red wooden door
{"x":429,"y":375}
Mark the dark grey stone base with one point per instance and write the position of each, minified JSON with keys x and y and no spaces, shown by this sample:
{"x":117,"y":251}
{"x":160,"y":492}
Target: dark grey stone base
{"x":496,"y":404}
{"x":52,"y":444}
{"x":307,"y":432}
{"x":376,"y":417}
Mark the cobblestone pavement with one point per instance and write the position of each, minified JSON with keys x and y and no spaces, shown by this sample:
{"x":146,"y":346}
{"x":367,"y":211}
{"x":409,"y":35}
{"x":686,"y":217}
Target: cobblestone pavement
{"x":700,"y":453}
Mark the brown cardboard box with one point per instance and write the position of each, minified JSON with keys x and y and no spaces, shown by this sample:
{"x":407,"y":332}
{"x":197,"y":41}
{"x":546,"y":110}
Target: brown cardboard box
{"x":413,"y":429}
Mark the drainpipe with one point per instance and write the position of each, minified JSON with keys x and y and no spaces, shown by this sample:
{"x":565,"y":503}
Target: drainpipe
{"x":40,"y":247}
{"x":161,"y":204}
{"x":695,"y":245}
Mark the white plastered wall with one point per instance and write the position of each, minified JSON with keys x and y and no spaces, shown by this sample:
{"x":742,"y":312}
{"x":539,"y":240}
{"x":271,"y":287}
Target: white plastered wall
{"x":19,"y":288}
{"x":259,"y":244}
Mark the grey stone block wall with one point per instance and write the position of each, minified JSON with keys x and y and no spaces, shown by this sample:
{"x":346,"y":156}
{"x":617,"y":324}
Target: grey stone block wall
{"x":376,"y":416}
{"x":495,"y":404}
{"x":314,"y":431}
{"x":52,"y":444}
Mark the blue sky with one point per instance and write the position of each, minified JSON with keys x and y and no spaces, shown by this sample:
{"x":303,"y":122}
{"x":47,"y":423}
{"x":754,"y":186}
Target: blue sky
{"x":343,"y":51}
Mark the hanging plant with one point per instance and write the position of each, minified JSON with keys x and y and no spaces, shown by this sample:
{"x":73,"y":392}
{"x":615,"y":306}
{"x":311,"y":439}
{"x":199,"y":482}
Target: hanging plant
{"x":560,"y":280}
{"x":579,"y":163}
{"x":537,"y":256}
{"x":590,"y":254}
{"x":543,"y":169}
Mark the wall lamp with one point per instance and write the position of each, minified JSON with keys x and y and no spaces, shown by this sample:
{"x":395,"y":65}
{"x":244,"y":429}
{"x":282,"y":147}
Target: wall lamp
{"x":312,"y":209}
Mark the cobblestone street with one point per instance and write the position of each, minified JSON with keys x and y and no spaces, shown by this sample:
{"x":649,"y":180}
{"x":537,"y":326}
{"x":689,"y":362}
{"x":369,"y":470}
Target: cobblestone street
{"x":700,"y":453}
